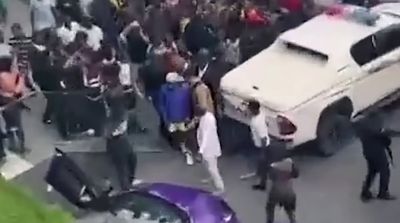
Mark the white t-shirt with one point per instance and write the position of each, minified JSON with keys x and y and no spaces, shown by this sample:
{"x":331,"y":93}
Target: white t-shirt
{"x":95,"y":36}
{"x":43,"y":14}
{"x":125,"y":74}
{"x":68,"y":35}
{"x":259,"y":129}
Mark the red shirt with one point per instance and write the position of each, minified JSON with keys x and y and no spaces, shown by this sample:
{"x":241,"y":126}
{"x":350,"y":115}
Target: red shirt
{"x":292,"y":5}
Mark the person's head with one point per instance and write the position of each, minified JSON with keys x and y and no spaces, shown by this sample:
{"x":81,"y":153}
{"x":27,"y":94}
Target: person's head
{"x":169,"y":39}
{"x":190,"y":75}
{"x":66,"y":21}
{"x":81,"y":38}
{"x":5,"y":64}
{"x":87,"y":22}
{"x":16,"y":30}
{"x":253,"y":107}
{"x":38,"y":38}
{"x":199,"y":111}
{"x":203,"y":57}
{"x":156,"y":41}
{"x":108,"y":53}
{"x":174,"y":77}
{"x":110,"y":74}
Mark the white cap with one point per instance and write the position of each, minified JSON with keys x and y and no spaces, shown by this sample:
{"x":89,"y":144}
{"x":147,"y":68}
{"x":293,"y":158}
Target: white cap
{"x":174,"y":77}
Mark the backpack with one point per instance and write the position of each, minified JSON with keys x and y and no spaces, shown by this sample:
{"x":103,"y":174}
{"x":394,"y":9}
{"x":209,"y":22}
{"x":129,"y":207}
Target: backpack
{"x":232,"y":52}
{"x":176,"y":102}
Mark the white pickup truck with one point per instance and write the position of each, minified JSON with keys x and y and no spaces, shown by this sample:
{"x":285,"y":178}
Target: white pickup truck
{"x":315,"y":79}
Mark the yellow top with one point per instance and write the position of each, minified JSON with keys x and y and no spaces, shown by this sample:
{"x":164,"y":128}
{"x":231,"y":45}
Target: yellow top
{"x":118,"y":3}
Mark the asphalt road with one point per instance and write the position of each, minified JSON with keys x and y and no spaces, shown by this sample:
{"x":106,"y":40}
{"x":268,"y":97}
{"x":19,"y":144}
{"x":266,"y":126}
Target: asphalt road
{"x":328,"y":189}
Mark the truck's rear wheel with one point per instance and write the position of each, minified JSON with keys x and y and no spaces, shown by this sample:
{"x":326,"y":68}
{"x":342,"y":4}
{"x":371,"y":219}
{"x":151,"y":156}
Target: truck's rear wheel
{"x":334,"y":132}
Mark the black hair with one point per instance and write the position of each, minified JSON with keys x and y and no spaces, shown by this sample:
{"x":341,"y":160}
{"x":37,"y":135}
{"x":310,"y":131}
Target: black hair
{"x":254,"y":106}
{"x":5,"y":64}
{"x":81,"y":36}
{"x":107,"y":52}
{"x":16,"y":26}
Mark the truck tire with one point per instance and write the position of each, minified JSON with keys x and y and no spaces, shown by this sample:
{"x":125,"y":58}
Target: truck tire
{"x":334,"y":132}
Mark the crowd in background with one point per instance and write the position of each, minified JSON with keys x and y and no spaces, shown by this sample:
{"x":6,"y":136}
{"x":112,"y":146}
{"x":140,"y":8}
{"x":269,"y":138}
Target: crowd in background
{"x":92,"y":59}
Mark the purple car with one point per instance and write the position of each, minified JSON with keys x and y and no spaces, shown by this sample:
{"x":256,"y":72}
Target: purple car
{"x":168,"y":203}
{"x":148,"y":203}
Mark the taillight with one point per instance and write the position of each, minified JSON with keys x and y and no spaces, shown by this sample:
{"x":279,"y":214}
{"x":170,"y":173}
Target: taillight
{"x":286,"y":127}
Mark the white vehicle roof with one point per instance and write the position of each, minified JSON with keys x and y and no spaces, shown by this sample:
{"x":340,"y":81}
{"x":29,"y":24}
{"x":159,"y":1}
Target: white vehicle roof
{"x":281,"y":78}
{"x":391,"y":9}
{"x":331,"y":35}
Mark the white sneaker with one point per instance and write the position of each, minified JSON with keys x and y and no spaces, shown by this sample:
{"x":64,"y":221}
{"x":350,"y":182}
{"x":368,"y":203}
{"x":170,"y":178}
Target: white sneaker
{"x":189,"y":159}
{"x":90,"y":132}
{"x":49,"y":188}
{"x":205,"y":181}
{"x":247,"y":176}
{"x":136,"y":182}
{"x":85,"y":198}
{"x":218,"y":192}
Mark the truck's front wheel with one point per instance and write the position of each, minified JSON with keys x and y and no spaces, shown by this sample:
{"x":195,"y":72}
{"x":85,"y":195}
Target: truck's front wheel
{"x":334,"y":132}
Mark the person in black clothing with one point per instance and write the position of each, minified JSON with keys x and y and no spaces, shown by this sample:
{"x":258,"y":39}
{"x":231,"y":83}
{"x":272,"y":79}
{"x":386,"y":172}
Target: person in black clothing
{"x":2,"y":148}
{"x":70,"y":8}
{"x":198,"y":34}
{"x":40,"y":62}
{"x":152,"y":74}
{"x":282,"y":193}
{"x":376,"y":142}
{"x":118,"y":145}
{"x":136,"y":43}
{"x":103,"y":13}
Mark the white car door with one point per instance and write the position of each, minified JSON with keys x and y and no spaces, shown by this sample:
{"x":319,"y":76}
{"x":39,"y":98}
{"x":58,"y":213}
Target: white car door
{"x":377,"y":79}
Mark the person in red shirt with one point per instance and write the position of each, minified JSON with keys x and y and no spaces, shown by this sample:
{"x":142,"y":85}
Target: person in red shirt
{"x":12,"y":88}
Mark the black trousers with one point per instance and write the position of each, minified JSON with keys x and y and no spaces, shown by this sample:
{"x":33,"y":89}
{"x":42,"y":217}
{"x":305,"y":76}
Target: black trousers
{"x":2,"y":151}
{"x":13,"y":120}
{"x":276,"y":151}
{"x":374,"y":168}
{"x":124,"y":159}
{"x":263,"y":164}
{"x":51,"y":107}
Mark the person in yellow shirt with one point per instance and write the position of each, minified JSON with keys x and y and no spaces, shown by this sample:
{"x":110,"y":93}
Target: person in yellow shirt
{"x":119,"y":4}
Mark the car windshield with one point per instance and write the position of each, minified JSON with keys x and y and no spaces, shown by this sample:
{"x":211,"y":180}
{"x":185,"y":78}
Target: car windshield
{"x":142,"y":207}
{"x":376,"y":45}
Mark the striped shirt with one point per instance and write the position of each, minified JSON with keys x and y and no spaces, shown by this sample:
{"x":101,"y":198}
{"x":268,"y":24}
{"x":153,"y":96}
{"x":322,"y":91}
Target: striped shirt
{"x":22,"y":46}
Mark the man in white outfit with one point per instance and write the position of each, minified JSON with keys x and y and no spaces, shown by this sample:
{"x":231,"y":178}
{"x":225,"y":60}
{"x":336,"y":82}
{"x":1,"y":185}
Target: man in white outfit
{"x":209,"y":146}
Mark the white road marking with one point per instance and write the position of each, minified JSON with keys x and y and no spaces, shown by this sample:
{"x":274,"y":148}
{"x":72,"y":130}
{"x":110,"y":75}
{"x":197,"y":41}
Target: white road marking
{"x":14,"y":166}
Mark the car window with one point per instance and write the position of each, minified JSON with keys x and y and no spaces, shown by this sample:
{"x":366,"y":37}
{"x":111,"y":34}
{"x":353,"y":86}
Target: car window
{"x":140,"y":207}
{"x":376,"y":45}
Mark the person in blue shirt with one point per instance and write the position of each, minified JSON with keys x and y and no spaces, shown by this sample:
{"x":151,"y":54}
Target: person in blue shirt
{"x":176,"y":111}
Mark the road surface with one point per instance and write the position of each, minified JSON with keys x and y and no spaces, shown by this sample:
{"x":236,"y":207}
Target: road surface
{"x":328,"y":189}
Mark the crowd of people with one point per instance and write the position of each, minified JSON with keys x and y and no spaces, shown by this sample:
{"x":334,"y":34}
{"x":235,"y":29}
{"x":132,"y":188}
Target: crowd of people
{"x":92,"y":59}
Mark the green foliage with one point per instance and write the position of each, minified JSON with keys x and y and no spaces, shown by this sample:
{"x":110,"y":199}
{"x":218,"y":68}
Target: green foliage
{"x":18,"y":206}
